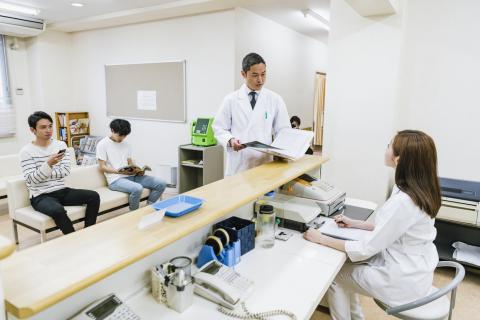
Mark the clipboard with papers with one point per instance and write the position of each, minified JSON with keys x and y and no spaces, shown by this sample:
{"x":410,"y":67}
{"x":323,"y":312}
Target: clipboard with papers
{"x":331,"y":229}
{"x":289,"y":144}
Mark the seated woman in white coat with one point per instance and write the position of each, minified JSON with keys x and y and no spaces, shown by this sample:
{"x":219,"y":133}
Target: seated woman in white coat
{"x":395,"y":263}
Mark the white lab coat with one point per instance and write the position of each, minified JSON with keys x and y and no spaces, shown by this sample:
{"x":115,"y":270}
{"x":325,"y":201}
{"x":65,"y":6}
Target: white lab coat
{"x":236,"y":119}
{"x":400,"y":253}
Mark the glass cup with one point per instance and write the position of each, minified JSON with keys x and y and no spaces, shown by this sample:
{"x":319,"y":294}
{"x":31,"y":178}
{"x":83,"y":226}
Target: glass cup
{"x":266,"y":226}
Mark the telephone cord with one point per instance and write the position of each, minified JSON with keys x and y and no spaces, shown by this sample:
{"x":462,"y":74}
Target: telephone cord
{"x":258,"y":315}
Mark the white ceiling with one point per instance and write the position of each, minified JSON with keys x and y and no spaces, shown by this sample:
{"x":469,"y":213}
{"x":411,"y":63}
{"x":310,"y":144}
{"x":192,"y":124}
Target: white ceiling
{"x":61,"y":15}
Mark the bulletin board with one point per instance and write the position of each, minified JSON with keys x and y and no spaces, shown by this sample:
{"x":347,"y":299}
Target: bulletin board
{"x":149,"y":91}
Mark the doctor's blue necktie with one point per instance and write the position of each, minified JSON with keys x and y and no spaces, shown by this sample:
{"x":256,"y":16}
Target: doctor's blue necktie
{"x":252,"y":95}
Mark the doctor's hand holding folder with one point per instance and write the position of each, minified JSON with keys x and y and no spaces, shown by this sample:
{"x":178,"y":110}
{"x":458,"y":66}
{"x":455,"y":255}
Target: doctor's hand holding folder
{"x":289,"y":144}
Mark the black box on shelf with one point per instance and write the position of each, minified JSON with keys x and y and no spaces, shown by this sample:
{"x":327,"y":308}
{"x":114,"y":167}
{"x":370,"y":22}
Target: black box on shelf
{"x":239,"y":228}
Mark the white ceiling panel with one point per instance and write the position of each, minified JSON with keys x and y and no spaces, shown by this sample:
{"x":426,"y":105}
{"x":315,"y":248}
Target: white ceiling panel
{"x":61,"y":15}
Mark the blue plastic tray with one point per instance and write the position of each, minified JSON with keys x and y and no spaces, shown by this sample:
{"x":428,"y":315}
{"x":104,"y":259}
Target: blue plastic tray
{"x":179,"y":205}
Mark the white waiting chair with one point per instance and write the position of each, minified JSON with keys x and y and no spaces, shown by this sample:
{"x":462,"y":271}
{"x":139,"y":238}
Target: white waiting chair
{"x":435,"y":306}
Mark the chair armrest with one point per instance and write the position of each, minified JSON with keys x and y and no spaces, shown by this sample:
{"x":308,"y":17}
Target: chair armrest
{"x":459,"y":275}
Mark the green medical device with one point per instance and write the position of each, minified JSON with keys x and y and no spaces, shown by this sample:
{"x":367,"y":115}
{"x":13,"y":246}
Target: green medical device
{"x":202,"y":132}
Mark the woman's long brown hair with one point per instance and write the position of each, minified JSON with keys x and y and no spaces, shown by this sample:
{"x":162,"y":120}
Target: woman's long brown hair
{"x":416,"y":172}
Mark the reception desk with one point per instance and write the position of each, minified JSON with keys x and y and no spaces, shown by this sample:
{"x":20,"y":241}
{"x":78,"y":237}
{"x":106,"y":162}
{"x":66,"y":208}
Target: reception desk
{"x":70,"y":271}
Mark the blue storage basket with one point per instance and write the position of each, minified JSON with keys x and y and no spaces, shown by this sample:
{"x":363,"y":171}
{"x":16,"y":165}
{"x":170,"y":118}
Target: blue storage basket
{"x":239,"y":228}
{"x":179,"y":205}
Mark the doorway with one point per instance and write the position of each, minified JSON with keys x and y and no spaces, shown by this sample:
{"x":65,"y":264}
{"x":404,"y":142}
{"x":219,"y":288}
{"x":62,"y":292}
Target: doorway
{"x":318,"y":110}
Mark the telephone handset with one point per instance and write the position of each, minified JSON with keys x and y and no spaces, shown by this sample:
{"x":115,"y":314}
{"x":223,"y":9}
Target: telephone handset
{"x":221,"y":284}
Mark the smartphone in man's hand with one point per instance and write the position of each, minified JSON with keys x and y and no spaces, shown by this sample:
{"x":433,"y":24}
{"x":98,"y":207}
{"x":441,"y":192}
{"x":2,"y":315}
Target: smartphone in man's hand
{"x":62,"y":151}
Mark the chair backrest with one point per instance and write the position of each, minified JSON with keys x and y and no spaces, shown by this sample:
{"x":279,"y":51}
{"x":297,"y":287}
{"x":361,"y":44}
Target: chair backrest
{"x":450,"y":287}
{"x":17,"y":195}
{"x":73,"y":159}
{"x":10,"y":165}
{"x":88,"y":177}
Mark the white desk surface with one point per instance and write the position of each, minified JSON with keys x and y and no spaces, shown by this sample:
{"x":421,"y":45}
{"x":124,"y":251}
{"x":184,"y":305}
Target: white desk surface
{"x":293,"y":275}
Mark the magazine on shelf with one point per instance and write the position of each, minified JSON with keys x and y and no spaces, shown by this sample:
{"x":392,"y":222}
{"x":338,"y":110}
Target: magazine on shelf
{"x":79,"y":126}
{"x":290,"y":144}
{"x":89,"y":160}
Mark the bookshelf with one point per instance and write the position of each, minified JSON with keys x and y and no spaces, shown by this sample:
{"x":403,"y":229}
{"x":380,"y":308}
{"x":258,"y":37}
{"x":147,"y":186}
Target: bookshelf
{"x":70,"y":125}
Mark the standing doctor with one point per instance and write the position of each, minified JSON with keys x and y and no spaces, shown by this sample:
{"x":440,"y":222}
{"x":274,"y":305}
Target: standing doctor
{"x":252,"y":113}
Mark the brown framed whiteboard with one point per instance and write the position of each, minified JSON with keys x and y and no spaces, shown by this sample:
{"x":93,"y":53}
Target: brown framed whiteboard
{"x":147,"y":91}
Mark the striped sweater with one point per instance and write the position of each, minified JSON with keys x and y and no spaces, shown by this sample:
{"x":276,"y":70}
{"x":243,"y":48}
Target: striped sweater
{"x":39,"y":176}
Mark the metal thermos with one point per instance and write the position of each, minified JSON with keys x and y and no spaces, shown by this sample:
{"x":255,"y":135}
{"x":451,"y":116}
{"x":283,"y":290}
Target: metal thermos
{"x":179,"y":284}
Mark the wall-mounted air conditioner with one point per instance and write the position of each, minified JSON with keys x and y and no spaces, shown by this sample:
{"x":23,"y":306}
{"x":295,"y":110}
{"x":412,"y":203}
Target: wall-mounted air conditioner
{"x":20,"y":26}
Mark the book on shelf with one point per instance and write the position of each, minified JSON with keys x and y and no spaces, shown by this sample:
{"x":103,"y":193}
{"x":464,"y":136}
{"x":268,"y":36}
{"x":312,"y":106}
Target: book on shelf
{"x":61,"y":119}
{"x":196,"y":162}
{"x":63,"y":134}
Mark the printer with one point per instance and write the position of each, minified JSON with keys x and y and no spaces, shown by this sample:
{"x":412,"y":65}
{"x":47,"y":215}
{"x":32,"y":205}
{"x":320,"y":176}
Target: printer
{"x":318,"y":193}
{"x":302,"y":200}
{"x":460,"y":201}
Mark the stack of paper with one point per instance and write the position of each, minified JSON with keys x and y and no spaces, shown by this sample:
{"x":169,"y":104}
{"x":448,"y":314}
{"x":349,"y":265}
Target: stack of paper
{"x":289,"y":143}
{"x":331,"y":229}
{"x":467,"y":253}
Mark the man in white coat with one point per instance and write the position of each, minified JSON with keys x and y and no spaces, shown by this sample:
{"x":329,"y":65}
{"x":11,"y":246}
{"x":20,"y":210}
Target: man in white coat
{"x":252,"y":113}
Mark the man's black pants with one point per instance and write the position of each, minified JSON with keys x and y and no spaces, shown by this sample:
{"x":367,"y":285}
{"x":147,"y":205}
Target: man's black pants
{"x":52,"y":204}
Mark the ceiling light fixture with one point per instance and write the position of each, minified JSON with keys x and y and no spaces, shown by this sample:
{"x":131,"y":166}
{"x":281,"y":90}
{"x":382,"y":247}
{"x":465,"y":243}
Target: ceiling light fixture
{"x":308,"y":13}
{"x":77,"y":4}
{"x":19,"y":9}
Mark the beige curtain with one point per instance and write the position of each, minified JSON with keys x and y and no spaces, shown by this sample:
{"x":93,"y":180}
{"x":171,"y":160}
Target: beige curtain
{"x":319,"y":106}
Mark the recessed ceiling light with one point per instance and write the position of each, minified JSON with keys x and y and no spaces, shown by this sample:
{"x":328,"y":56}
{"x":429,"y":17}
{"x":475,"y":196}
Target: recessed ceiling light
{"x":77,"y":4}
{"x":19,"y":9}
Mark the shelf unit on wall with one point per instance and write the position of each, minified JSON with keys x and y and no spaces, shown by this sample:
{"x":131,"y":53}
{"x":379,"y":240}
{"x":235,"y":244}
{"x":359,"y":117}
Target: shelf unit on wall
{"x":70,"y":125}
{"x":198,"y":166}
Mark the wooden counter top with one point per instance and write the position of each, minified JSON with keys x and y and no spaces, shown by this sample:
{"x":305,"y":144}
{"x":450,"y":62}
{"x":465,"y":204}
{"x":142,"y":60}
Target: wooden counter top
{"x":38,"y":277}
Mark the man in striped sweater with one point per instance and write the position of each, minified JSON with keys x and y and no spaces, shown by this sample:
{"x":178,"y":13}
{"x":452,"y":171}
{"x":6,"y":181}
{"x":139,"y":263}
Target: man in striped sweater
{"x":45,"y":164}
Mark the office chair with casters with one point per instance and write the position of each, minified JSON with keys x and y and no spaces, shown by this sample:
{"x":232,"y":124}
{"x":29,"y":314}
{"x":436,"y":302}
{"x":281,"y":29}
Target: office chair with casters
{"x":436,"y":305}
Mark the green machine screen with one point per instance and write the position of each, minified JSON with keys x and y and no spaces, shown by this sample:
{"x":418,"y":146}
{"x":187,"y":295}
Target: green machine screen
{"x":202,"y":132}
{"x":201,"y":126}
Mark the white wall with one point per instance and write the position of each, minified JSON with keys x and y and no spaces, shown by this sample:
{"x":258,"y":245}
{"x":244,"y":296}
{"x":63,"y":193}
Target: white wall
{"x":441,"y":69}
{"x":205,"y":41}
{"x":50,"y":71}
{"x":292,"y":60}
{"x":19,"y":78}
{"x":66,"y":71}
{"x":361,"y":97}
{"x":417,"y":69}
